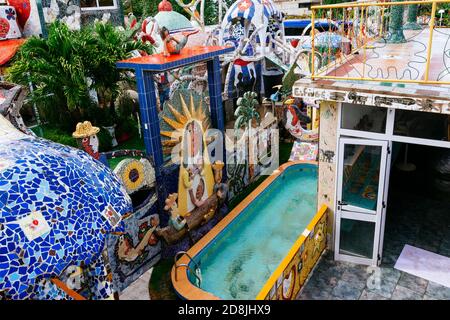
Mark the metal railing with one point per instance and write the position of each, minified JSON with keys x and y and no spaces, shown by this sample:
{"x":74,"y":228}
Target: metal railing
{"x":186,"y":265}
{"x":368,"y":49}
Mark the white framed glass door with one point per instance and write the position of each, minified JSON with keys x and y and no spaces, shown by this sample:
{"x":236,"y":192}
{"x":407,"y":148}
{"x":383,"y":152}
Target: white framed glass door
{"x":362,"y":167}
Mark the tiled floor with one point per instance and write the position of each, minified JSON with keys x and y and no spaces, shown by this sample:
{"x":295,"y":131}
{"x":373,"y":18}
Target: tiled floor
{"x":332,"y":280}
{"x":413,"y":217}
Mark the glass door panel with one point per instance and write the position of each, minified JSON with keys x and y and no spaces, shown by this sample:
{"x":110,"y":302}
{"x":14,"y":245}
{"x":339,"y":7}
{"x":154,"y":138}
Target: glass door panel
{"x":360,"y":206}
{"x":361,"y":177}
{"x":356,"y":238}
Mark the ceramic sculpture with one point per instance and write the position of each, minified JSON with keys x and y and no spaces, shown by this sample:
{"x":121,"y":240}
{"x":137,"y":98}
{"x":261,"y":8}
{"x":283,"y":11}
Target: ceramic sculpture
{"x":57,"y":206}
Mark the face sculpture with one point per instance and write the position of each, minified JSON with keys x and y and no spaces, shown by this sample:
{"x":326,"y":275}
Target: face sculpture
{"x":90,"y":145}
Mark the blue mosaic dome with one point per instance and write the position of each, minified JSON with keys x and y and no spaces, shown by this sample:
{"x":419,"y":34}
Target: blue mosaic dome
{"x":57,"y":205}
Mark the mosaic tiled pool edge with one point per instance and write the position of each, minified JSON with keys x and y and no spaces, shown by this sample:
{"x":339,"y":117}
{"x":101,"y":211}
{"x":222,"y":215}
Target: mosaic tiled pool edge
{"x":290,"y":276}
{"x":183,"y":286}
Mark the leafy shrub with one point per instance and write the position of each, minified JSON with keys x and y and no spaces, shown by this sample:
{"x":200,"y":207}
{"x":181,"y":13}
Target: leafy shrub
{"x":68,"y":64}
{"x":104,"y":139}
{"x":57,"y":135}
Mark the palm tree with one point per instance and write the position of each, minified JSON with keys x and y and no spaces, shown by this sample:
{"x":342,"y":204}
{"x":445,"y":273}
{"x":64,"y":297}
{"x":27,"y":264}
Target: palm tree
{"x":57,"y":70}
{"x":246,"y":110}
{"x":396,"y":24}
{"x":246,"y":113}
{"x":411,"y":23}
{"x":64,"y":67}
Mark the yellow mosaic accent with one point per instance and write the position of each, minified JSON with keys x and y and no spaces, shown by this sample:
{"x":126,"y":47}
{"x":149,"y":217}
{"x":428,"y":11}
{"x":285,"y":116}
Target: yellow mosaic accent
{"x":134,"y":165}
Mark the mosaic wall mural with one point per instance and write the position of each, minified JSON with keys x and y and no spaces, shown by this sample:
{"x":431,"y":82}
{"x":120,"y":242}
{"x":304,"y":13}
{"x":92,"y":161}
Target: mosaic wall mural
{"x":184,"y":129}
{"x":250,"y":154}
{"x":57,"y":206}
{"x":294,"y":275}
{"x":137,"y":249}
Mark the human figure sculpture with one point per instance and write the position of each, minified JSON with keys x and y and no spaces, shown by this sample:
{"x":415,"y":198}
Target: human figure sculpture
{"x":86,"y":136}
{"x":173,"y":45}
{"x":220,"y":188}
{"x":175,"y":220}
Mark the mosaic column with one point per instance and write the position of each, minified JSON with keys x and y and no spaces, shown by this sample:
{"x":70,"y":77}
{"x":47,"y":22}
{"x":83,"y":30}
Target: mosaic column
{"x":396,"y":24}
{"x":411,"y":23}
{"x":215,"y":101}
{"x":150,"y":127}
{"x":149,"y":118}
{"x":215,"y":94}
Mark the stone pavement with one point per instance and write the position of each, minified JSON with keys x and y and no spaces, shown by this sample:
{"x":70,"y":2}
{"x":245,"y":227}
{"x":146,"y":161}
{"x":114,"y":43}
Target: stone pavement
{"x":138,"y":290}
{"x":335,"y":280}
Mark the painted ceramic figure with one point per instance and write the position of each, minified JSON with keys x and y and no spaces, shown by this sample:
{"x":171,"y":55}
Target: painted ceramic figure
{"x":196,"y":177}
{"x":293,"y":118}
{"x":220,"y":188}
{"x":175,"y":220}
{"x":125,"y":249}
{"x":87,"y":139}
{"x":173,"y":45}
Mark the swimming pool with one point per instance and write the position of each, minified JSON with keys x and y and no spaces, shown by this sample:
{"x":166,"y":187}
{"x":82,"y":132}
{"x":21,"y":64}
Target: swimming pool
{"x":239,"y":255}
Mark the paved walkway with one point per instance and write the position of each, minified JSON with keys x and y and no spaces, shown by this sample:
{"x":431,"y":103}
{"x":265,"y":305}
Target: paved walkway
{"x":333,"y":280}
{"x":415,"y":216}
{"x":138,"y":290}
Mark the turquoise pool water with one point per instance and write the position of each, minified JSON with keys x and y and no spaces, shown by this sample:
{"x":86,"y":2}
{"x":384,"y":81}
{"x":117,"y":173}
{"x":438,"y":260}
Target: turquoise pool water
{"x":239,"y":261}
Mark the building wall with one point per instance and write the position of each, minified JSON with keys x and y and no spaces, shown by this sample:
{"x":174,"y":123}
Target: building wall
{"x":75,"y":17}
{"x":296,"y":7}
{"x":327,"y":161}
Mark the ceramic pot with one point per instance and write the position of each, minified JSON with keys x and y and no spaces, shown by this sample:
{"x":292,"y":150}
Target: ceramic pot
{"x":112,"y":131}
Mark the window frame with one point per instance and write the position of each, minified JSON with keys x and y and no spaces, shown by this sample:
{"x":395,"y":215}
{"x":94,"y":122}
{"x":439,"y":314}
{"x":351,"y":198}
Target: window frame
{"x":99,"y":8}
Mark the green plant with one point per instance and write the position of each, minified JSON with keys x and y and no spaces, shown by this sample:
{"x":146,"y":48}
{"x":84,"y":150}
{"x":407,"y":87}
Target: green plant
{"x":68,"y":64}
{"x":246,"y":110}
{"x":112,"y":45}
{"x":56,"y":68}
{"x":56,"y":135}
{"x":143,"y":9}
{"x":104,"y":140}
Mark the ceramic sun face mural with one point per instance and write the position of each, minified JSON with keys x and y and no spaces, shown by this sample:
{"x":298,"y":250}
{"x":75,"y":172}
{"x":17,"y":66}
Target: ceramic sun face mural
{"x":188,"y":125}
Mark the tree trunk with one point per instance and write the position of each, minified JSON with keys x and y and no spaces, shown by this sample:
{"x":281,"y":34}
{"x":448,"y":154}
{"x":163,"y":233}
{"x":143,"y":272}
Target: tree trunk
{"x":396,"y":24}
{"x":411,"y":23}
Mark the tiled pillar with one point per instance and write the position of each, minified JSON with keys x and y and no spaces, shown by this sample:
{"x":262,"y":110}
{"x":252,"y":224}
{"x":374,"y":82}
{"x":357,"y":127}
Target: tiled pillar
{"x":411,"y":23}
{"x":215,"y":100}
{"x":149,"y":118}
{"x":215,"y":94}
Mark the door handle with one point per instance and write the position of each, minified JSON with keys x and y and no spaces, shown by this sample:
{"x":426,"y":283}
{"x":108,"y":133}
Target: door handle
{"x":342,"y":203}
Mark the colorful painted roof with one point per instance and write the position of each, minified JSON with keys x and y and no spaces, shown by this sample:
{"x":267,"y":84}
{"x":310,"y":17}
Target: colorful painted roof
{"x":57,"y":205}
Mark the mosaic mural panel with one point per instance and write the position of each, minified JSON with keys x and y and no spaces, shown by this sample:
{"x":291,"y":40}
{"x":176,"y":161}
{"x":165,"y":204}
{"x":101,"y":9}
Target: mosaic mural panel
{"x":137,"y":249}
{"x":251,"y":155}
